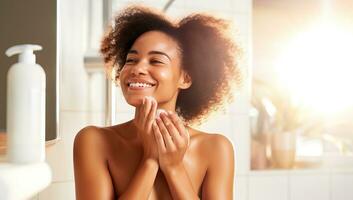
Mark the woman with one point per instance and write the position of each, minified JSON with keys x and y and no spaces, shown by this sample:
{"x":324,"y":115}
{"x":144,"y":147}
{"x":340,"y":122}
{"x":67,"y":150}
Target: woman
{"x":184,"y":69}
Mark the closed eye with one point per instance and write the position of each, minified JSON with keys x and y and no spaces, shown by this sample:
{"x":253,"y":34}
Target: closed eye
{"x":157,"y":62}
{"x":130,"y":60}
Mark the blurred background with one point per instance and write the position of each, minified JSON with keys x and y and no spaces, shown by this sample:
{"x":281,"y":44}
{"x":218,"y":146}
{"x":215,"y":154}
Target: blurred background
{"x":292,"y":119}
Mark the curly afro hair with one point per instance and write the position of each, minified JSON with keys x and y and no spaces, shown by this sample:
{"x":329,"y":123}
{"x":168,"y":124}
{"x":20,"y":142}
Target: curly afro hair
{"x":209,"y":55}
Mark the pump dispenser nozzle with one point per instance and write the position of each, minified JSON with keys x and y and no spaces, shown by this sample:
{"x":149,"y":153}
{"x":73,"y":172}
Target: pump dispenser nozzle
{"x":25,"y":51}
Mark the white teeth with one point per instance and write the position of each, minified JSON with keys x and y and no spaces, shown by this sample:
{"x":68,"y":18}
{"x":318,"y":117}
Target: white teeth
{"x":140,"y":85}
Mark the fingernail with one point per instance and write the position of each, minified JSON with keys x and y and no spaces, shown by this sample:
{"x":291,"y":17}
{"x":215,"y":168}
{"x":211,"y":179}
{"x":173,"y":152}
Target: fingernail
{"x":158,"y":112}
{"x":164,"y":113}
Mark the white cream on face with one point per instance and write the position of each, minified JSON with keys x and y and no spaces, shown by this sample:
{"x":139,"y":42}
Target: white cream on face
{"x":159,"y":111}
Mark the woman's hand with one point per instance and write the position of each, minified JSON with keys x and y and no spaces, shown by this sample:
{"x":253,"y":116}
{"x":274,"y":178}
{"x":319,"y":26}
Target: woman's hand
{"x":144,"y":118}
{"x":172,"y":140}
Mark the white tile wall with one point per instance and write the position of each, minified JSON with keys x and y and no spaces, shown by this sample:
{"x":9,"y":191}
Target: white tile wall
{"x":342,"y":186}
{"x":59,"y":191}
{"x":122,"y":117}
{"x":220,"y":123}
{"x":241,"y":105}
{"x":73,"y":80}
{"x":241,"y":139}
{"x":242,"y":6}
{"x":59,"y":156}
{"x":241,"y":187}
{"x":308,"y":186}
{"x":241,"y":23}
{"x":121,"y":105}
{"x":274,"y":187}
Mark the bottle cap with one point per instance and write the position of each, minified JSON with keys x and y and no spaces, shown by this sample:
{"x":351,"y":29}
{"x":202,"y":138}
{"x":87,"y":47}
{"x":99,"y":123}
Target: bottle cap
{"x":25,"y":51}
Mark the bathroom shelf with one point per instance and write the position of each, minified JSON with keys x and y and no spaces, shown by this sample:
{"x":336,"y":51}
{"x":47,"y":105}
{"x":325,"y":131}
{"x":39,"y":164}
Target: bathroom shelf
{"x":23,"y":181}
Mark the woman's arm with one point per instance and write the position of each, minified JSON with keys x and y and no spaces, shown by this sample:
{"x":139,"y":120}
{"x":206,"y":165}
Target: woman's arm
{"x":218,"y":181}
{"x":92,"y":178}
{"x":179,"y":183}
{"x":141,"y":184}
{"x":173,"y":140}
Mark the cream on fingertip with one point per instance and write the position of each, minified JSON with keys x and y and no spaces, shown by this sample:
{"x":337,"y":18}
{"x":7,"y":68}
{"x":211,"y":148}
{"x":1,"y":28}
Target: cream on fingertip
{"x":159,"y":111}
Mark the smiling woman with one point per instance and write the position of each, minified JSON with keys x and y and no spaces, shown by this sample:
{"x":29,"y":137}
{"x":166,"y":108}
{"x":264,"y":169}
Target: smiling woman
{"x":186,"y":69}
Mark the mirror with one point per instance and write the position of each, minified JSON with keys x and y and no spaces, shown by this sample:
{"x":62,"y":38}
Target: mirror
{"x":31,"y":22}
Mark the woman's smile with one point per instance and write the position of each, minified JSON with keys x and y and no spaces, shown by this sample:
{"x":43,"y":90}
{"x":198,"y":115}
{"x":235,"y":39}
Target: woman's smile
{"x":139,"y":85}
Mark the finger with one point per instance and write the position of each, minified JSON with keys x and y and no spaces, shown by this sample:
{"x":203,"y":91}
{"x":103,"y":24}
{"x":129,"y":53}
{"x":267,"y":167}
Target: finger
{"x":177,"y":139}
{"x":166,"y":137}
{"x":158,"y":137}
{"x":146,"y":109}
{"x":138,"y":109}
{"x":178,"y":124}
{"x":142,"y":108}
{"x":152,"y":113}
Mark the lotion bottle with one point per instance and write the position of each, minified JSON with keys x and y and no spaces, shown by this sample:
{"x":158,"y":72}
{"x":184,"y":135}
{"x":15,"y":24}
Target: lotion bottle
{"x":25,"y":107}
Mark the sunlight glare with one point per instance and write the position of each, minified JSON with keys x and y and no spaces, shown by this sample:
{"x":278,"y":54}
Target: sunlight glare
{"x":317,"y":68}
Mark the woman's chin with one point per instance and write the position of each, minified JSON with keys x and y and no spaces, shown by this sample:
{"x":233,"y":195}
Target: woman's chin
{"x":135,"y":102}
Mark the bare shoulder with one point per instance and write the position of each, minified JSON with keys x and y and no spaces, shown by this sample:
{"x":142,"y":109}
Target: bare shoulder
{"x":211,"y":139}
{"x":89,"y":137}
{"x":96,"y":132}
{"x":218,"y":152}
{"x":89,"y":134}
{"x":213,"y":144}
{"x":92,"y":178}
{"x":94,"y":137}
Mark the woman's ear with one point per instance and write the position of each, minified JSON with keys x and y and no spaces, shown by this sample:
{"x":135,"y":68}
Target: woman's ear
{"x":185,"y":80}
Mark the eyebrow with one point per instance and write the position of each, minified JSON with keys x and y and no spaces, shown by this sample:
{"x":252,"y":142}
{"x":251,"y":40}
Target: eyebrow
{"x":151,"y":52}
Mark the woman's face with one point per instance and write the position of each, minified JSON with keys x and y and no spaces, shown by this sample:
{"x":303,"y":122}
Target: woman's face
{"x":152,"y":68}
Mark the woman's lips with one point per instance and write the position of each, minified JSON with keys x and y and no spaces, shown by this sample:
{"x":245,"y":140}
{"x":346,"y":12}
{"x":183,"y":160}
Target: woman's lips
{"x":136,"y":84}
{"x":139,"y":88}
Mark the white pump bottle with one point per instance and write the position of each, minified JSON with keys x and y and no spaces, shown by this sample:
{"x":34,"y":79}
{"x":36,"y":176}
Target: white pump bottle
{"x":25,"y":107}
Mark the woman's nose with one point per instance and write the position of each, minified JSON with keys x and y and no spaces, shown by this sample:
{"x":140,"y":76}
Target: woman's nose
{"x":139,"y":68}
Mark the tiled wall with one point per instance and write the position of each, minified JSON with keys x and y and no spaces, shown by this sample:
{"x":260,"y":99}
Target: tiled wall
{"x":76,"y":108}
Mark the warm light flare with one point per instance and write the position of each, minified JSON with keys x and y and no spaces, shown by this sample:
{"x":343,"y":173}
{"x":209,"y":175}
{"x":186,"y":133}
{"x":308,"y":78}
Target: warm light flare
{"x":317,"y":68}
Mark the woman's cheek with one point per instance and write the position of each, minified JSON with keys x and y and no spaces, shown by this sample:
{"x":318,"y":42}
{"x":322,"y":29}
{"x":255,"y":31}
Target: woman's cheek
{"x":164,"y":75}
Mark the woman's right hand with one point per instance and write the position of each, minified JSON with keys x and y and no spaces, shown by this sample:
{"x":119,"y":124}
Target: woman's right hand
{"x":144,"y":117}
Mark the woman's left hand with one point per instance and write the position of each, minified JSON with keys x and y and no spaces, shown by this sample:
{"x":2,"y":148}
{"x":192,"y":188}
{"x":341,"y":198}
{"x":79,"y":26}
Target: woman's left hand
{"x":172,"y":140}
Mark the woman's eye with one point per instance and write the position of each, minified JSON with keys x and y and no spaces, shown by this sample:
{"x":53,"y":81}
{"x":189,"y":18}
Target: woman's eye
{"x":157,"y":62}
{"x":130,"y":60}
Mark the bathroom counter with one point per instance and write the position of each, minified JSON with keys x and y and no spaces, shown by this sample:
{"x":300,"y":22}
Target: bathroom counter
{"x":23,"y":181}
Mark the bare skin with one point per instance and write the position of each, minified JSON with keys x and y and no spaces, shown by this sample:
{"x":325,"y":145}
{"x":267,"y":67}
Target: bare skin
{"x":153,"y":157}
